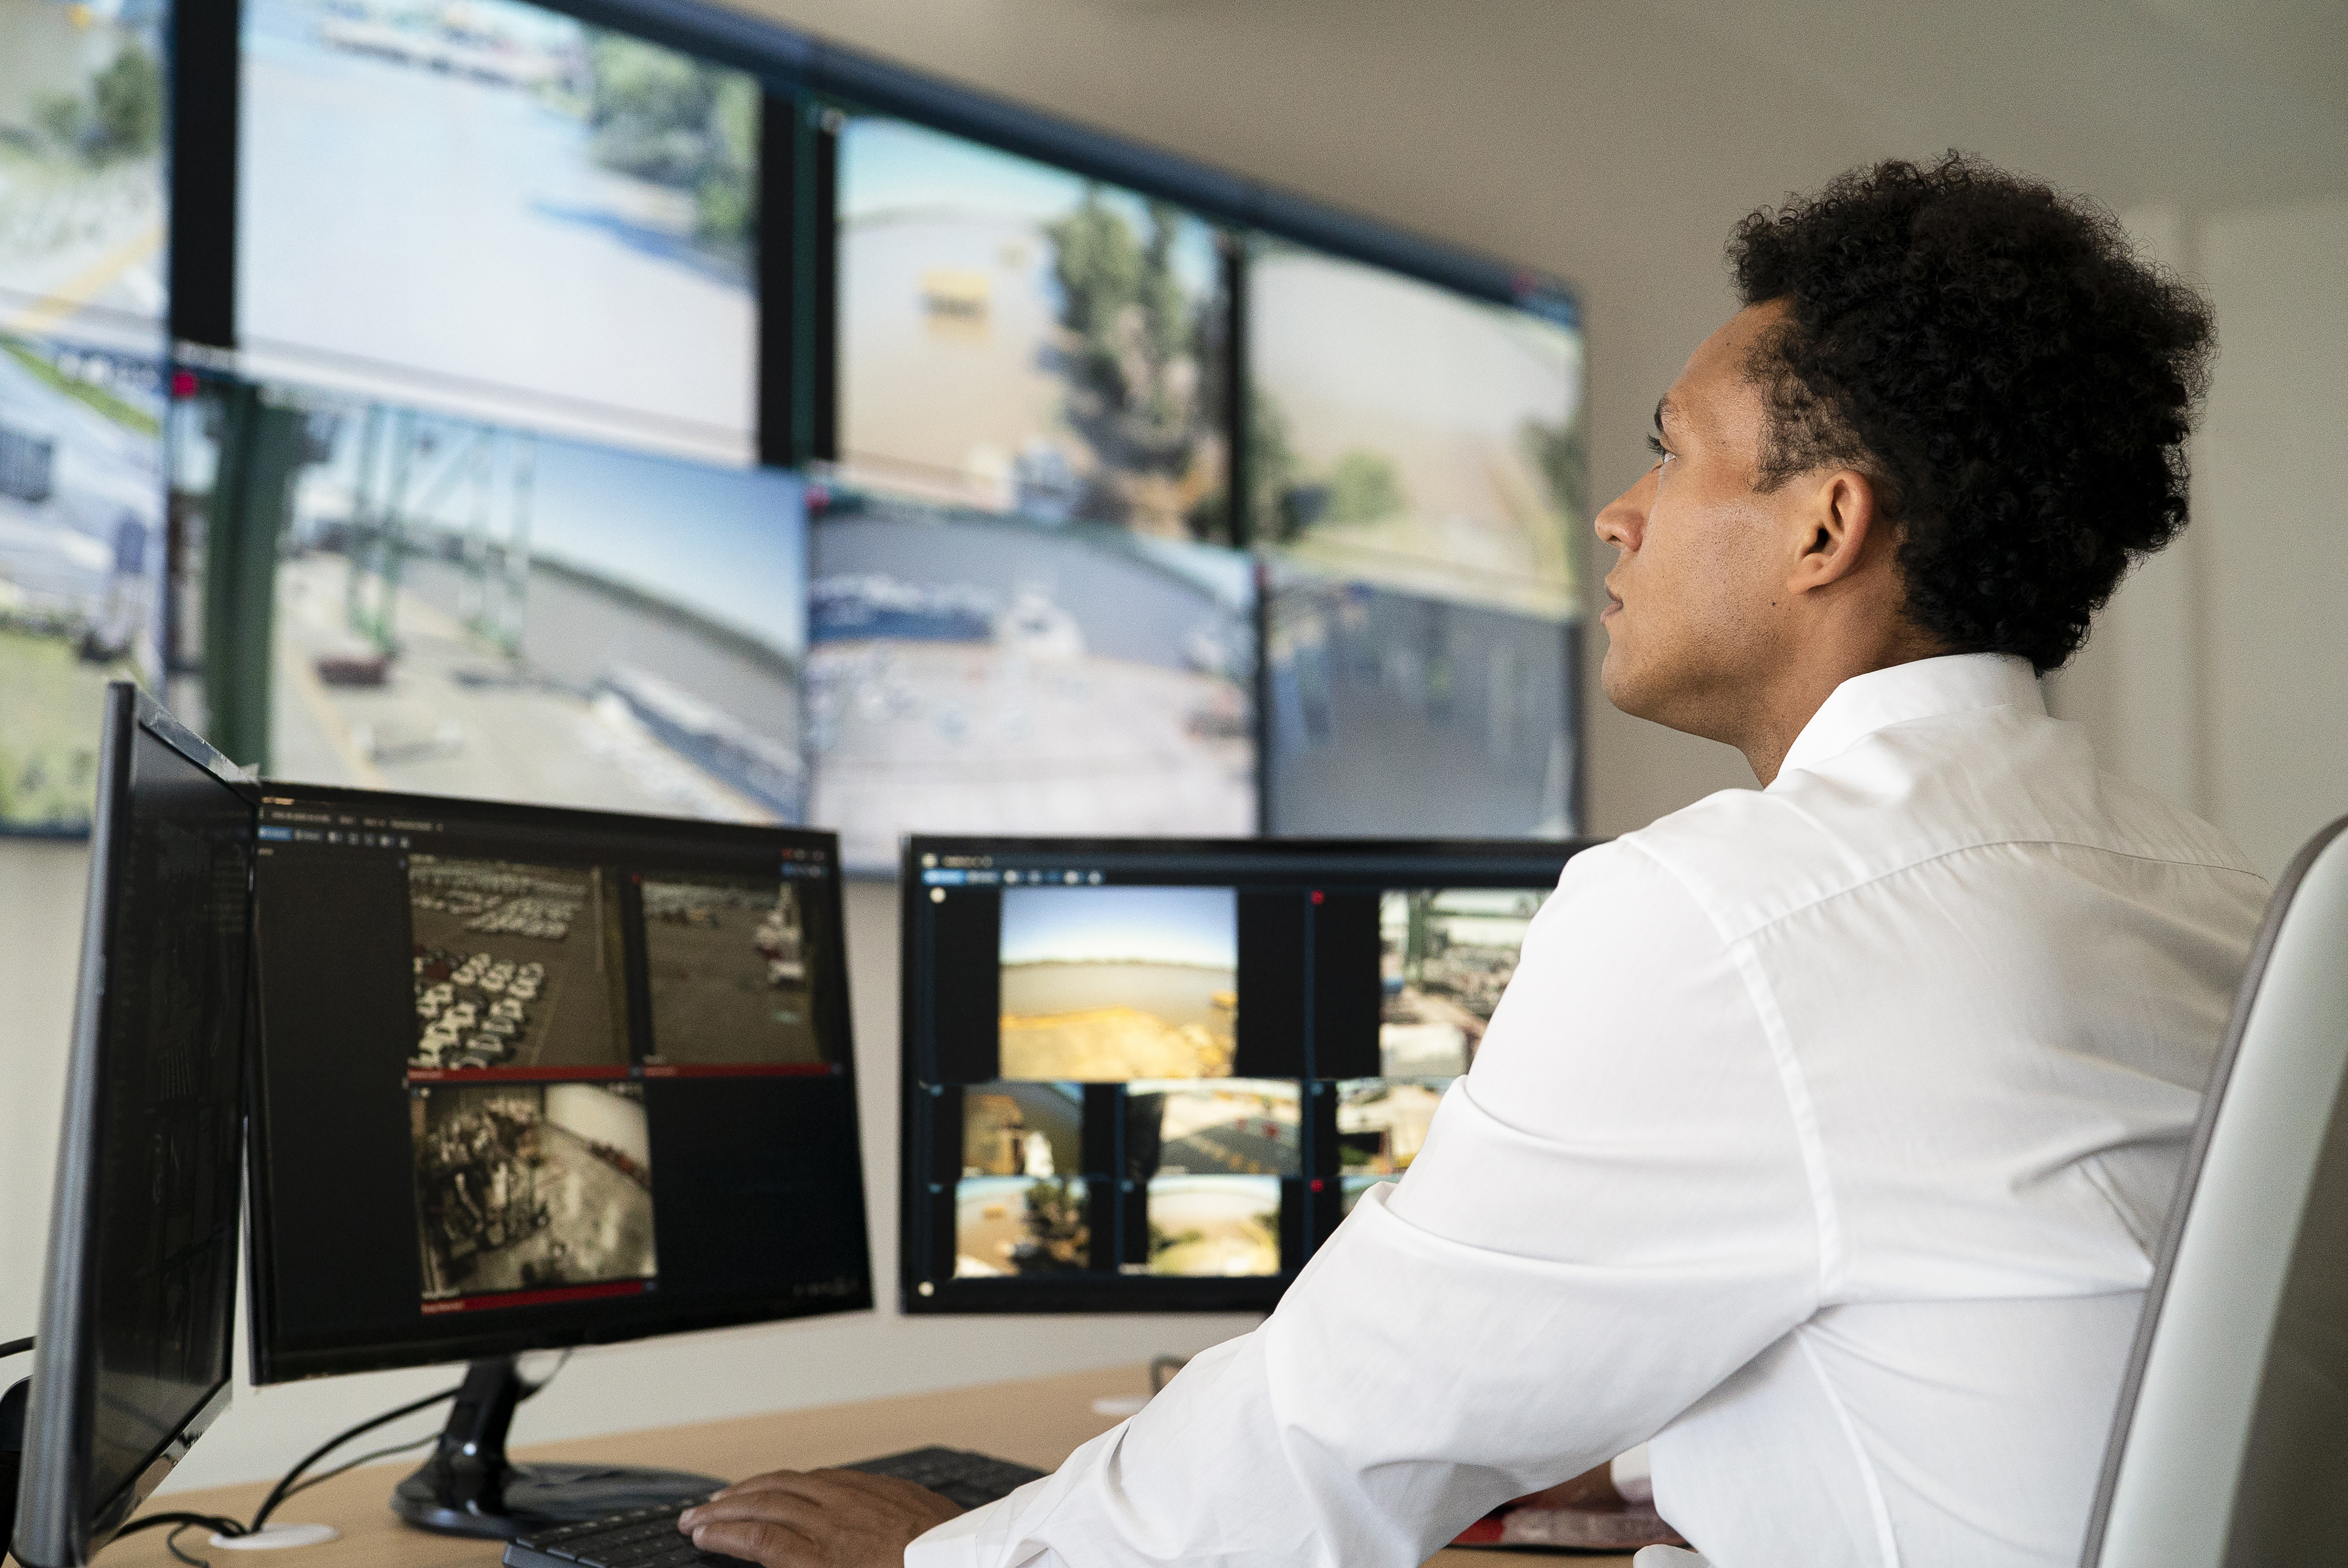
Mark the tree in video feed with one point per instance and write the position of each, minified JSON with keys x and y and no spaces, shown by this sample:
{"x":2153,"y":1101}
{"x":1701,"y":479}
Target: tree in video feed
{"x":516,"y":966}
{"x":1007,"y":1225}
{"x":731,"y":976}
{"x":531,"y":1186}
{"x":1214,"y":1225}
{"x":1102,"y":984}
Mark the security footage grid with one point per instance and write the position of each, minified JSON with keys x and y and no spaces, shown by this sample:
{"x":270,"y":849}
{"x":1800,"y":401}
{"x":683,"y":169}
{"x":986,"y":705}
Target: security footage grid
{"x":524,"y":1187}
{"x":516,"y":966}
{"x":727,"y":963}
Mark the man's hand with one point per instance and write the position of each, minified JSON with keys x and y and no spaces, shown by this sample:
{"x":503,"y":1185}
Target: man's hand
{"x":816,"y":1519}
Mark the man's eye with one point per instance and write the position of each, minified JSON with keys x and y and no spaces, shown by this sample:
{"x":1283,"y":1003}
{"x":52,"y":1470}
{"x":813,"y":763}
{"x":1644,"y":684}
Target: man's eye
{"x":1655,"y":445}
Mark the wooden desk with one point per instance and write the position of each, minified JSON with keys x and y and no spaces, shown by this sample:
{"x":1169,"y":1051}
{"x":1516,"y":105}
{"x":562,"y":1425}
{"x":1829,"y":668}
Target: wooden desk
{"x":1038,"y":1421}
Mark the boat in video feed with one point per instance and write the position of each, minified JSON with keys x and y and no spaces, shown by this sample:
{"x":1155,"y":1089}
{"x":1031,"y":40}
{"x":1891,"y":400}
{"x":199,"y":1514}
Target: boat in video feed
{"x":1012,"y":1129}
{"x":475,"y":611}
{"x":1445,"y":956}
{"x":1224,"y":1126}
{"x":1397,"y":712}
{"x":1217,"y":1227}
{"x":1016,"y":339}
{"x":516,"y":966}
{"x":81,"y":560}
{"x":727,"y":963}
{"x":82,"y":202}
{"x":970,"y":674}
{"x":1404,"y":434}
{"x":557,"y":230}
{"x":1104,"y":984}
{"x":1009,"y":1226}
{"x":530,"y":1187}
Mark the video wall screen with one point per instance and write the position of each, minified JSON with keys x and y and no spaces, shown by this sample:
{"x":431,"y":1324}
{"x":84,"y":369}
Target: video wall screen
{"x":496,"y":210}
{"x":1016,"y":339}
{"x":82,"y":195}
{"x":81,"y":565}
{"x":1150,"y":1075}
{"x":468,"y":610}
{"x":973,"y":674}
{"x":1406,"y":436}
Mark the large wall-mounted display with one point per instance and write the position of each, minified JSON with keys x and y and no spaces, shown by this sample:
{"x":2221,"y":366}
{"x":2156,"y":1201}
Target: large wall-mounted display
{"x":82,"y":201}
{"x":495,"y":209}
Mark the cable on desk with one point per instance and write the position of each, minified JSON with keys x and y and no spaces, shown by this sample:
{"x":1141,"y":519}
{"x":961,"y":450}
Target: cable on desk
{"x":185,"y":1521}
{"x":171,"y":1546}
{"x":18,"y":1347}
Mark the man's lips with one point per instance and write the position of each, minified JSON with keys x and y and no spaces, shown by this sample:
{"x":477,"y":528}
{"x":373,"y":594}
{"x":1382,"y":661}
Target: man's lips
{"x":1614,"y":603}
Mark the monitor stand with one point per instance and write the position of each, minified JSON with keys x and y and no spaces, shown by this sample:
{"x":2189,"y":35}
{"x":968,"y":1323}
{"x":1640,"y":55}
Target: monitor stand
{"x":468,"y":1487}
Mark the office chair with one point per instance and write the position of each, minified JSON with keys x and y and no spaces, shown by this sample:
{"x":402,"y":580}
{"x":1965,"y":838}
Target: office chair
{"x":2230,"y":1443}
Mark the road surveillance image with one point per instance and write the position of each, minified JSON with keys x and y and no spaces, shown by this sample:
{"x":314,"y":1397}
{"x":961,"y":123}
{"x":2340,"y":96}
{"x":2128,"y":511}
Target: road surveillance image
{"x":526,"y":173}
{"x":1014,"y":338}
{"x":1021,"y":1224}
{"x":516,"y":966}
{"x":1227,"y":1126}
{"x":1214,"y":1225}
{"x":1445,"y":955}
{"x":1012,"y":1129}
{"x":730,"y":972}
{"x":526,"y":1187}
{"x":1111,"y":983}
{"x":81,"y":553}
{"x":82,"y":200}
{"x":969,"y":673}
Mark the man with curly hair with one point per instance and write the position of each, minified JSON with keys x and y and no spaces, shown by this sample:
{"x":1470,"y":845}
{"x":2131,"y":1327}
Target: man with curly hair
{"x":1824,"y":1135}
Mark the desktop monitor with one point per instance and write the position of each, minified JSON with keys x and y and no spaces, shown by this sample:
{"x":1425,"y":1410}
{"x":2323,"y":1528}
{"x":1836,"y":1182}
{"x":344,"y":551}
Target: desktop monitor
{"x":1154,"y":1074}
{"x":531,"y":1078}
{"x":137,"y":1308}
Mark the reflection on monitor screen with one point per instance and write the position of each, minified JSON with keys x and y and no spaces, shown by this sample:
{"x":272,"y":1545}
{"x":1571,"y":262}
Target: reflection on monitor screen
{"x":1414,"y":437}
{"x":556,"y":226}
{"x":1106,"y":984}
{"x":1021,"y":1224}
{"x":1393,"y":713}
{"x":968,"y":674}
{"x":82,"y":200}
{"x":81,"y":556}
{"x":468,"y":610}
{"x":1015,"y":338}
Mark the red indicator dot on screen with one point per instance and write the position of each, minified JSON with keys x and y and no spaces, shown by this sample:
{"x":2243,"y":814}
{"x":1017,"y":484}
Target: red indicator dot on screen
{"x":1316,"y":1184}
{"x":184,"y":384}
{"x":1316,"y":894}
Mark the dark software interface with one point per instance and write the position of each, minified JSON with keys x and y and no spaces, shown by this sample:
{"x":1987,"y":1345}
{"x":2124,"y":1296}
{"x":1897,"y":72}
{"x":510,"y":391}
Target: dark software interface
{"x":1154,"y":1074}
{"x":540,"y":1077}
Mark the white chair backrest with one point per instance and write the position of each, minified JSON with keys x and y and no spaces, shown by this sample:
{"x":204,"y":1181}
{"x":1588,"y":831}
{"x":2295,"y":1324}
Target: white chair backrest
{"x":2230,"y":1444}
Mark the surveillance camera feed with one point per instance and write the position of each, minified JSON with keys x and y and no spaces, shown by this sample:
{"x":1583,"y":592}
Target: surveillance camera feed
{"x":1015,"y":339}
{"x":969,"y":673}
{"x":528,"y":1187}
{"x":82,"y":193}
{"x":727,"y":963}
{"x":81,"y":562}
{"x":518,"y":966}
{"x":475,"y":611}
{"x":1203,"y":1052}
{"x":562,"y":173}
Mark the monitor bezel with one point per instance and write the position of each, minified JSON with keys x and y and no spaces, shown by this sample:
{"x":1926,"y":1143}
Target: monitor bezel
{"x":275,"y":1360}
{"x":1076,"y":1293}
{"x":59,"y":1524}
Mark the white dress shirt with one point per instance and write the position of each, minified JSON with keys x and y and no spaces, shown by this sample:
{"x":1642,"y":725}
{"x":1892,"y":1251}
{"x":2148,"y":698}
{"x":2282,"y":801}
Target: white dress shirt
{"x":1823,"y":1140}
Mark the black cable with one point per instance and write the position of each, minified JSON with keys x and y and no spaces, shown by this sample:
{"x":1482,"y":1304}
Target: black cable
{"x":284,"y":1488}
{"x":149,"y":1521}
{"x":308,"y":1481}
{"x":171,"y":1546}
{"x":18,"y":1347}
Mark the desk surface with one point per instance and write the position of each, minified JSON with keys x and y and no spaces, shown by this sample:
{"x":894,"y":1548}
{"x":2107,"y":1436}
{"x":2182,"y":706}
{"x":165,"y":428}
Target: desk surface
{"x":1037,"y":1421}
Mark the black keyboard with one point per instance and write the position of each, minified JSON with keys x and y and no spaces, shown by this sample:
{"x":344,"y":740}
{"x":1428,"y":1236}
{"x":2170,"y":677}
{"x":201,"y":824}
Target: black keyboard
{"x":648,"y":1537}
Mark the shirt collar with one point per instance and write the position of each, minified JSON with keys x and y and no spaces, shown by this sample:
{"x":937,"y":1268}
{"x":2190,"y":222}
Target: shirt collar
{"x":1921,"y":689}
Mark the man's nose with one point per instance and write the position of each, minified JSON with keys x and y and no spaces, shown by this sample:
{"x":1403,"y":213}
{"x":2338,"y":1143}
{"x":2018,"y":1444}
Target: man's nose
{"x":1622,"y":522}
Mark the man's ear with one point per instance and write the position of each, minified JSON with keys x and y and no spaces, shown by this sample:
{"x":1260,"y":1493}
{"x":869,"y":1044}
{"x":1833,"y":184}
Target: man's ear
{"x":1836,"y":522}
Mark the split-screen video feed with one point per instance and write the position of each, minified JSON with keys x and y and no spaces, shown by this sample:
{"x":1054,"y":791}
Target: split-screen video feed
{"x":83,"y":203}
{"x":475,"y":611}
{"x":728,"y":965}
{"x":1224,"y":1126}
{"x":516,"y":966}
{"x":525,"y":173}
{"x":531,"y":1186}
{"x":967,"y":674}
{"x":1397,"y":712}
{"x":1016,"y":339}
{"x":1009,"y":1226}
{"x":1012,"y":1129}
{"x":1219,"y":1227}
{"x":1119,"y":982}
{"x":81,"y":557}
{"x":1404,"y":434}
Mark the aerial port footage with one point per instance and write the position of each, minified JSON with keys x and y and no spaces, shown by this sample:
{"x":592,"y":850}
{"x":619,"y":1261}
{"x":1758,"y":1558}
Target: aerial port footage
{"x":516,"y":966}
{"x":1107,"y":984}
{"x":727,"y":961}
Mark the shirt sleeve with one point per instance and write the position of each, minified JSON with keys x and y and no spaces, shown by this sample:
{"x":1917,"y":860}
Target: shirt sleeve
{"x":1612,"y":1212}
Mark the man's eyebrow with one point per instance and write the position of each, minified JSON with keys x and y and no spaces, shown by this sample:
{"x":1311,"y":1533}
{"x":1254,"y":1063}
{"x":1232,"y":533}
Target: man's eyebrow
{"x":1661,"y":404}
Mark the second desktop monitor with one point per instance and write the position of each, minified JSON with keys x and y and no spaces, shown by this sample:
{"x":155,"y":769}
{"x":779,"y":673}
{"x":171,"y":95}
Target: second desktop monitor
{"x":1153,"y":1075}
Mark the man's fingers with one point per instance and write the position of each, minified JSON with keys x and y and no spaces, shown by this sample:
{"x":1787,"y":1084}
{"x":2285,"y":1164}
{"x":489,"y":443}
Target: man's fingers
{"x":761,"y":1540}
